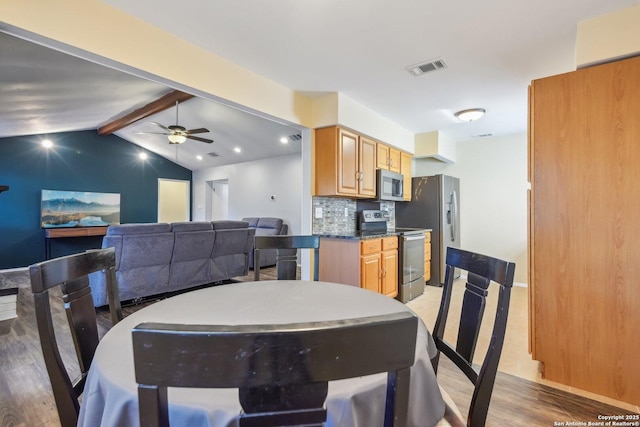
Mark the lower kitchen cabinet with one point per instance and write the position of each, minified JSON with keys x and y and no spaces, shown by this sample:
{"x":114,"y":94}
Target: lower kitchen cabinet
{"x":389,"y":279}
{"x":375,"y":262}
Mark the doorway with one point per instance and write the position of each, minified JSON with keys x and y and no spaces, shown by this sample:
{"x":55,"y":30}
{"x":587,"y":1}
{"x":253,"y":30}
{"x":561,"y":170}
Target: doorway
{"x":218,"y":200}
{"x":174,"y":200}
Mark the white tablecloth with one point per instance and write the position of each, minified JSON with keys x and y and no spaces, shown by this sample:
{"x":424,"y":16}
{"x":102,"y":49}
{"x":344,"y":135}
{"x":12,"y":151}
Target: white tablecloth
{"x":110,"y":395}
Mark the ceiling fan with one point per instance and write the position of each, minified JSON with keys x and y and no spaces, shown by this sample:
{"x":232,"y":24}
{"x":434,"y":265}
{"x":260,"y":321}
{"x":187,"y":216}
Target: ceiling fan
{"x":178,"y":134}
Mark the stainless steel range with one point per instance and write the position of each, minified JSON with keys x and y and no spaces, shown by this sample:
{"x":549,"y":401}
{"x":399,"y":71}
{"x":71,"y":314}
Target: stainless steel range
{"x":410,"y":251}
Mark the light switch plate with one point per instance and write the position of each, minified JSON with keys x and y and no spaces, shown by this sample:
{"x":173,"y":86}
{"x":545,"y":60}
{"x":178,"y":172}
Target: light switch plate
{"x":318,"y":213}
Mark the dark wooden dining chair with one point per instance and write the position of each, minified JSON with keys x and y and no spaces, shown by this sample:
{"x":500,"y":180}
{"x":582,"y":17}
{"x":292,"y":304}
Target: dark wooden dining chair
{"x":71,"y":274}
{"x":481,"y":271}
{"x":281,"y":371}
{"x":287,"y":254}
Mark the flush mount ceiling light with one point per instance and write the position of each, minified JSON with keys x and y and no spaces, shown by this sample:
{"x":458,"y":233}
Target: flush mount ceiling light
{"x":470,"y":115}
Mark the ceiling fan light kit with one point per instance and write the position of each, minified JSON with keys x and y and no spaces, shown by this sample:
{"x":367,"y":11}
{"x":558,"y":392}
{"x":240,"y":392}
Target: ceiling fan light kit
{"x":178,"y":134}
{"x":176,"y":138}
{"x":470,"y":114}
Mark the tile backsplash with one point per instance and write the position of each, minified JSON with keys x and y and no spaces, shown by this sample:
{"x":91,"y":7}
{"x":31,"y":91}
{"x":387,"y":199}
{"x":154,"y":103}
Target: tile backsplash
{"x":339,"y":215}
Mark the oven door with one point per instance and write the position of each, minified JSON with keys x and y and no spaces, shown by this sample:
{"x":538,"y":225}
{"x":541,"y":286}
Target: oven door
{"x":412,"y":249}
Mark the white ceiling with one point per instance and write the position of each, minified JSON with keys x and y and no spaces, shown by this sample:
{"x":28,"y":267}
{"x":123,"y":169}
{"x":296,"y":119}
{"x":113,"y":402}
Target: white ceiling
{"x":360,"y":48}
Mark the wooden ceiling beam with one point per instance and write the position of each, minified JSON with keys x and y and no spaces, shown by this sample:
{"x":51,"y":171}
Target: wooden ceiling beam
{"x":160,"y":104}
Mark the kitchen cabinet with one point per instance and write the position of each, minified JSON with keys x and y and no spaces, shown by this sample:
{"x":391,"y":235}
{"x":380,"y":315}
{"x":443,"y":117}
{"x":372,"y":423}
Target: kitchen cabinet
{"x":405,"y":170}
{"x":392,"y":159}
{"x":379,"y":265}
{"x":345,"y":163}
{"x":376,"y":258}
{"x":583,"y":228}
{"x":427,"y":256}
{"x":387,"y":157}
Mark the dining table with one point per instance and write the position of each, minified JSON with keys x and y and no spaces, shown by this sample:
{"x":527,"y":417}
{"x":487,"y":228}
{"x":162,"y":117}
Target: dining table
{"x":110,"y":396}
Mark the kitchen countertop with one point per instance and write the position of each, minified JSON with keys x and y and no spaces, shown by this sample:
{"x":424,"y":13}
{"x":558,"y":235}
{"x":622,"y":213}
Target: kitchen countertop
{"x":356,"y":235}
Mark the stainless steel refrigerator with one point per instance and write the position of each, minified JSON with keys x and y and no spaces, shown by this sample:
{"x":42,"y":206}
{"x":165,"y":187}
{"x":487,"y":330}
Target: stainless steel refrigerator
{"x":435,"y":204}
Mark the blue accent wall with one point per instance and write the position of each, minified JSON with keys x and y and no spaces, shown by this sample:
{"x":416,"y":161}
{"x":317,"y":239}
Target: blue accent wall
{"x":79,"y":161}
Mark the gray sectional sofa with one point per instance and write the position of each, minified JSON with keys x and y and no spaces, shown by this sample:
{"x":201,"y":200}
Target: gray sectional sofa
{"x":266,"y":226}
{"x":158,"y":258}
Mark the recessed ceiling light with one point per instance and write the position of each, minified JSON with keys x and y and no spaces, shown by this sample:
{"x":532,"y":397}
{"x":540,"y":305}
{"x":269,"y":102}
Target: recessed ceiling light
{"x":284,"y":140}
{"x":143,"y":156}
{"x":199,"y":157}
{"x":46,"y":143}
{"x":237,"y":150}
{"x":471,"y":114}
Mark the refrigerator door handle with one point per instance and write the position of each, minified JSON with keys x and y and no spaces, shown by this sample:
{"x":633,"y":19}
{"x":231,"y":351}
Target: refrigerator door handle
{"x":454,"y":214}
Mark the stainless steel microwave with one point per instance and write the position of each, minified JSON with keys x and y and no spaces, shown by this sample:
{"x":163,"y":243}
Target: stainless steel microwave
{"x":389,"y":185}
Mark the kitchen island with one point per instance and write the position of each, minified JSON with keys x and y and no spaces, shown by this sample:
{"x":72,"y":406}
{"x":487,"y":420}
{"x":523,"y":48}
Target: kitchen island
{"x":366,"y":260}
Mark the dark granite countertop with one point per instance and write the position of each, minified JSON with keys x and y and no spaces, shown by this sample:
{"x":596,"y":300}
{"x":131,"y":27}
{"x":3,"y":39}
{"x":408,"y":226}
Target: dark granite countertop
{"x":356,"y":235}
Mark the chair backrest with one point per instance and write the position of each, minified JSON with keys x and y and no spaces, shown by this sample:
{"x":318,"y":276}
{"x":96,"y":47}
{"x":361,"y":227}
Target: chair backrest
{"x":481,"y":271}
{"x":281,"y":371}
{"x":287,"y":254}
{"x":70,"y":272}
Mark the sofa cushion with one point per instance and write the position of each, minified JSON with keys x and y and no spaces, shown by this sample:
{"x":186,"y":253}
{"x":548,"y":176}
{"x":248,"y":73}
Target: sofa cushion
{"x":182,"y":227}
{"x":252,"y":220}
{"x":122,"y":229}
{"x":270,"y":223}
{"x":229,"y":224}
{"x":230,"y":253}
{"x":192,"y":250}
{"x":143,"y":262}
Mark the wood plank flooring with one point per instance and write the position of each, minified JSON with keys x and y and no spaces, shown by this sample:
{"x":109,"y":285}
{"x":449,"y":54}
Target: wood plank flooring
{"x":26,"y":399}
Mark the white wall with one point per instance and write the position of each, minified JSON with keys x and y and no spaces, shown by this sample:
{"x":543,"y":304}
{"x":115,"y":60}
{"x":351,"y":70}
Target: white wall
{"x":608,"y":37}
{"x":250,"y":186}
{"x":174,"y":200}
{"x":493,"y":196}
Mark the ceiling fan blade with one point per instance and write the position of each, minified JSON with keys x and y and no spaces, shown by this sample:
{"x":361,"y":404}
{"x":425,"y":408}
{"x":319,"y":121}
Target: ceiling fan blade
{"x":197,"y":138}
{"x":162,"y":126}
{"x":199,"y":130}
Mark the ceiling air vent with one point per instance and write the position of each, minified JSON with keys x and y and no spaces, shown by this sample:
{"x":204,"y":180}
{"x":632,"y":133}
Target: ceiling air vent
{"x":212,"y":154}
{"x":296,"y":137}
{"x":426,"y":67}
{"x":483,"y":135}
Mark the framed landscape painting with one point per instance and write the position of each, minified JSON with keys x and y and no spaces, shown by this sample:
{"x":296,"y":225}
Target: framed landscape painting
{"x":79,"y":209}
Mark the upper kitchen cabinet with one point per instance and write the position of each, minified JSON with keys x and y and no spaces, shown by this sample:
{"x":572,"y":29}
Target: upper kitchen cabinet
{"x":583,"y":231}
{"x":388,"y":158}
{"x":345,"y":163}
{"x":405,"y":170}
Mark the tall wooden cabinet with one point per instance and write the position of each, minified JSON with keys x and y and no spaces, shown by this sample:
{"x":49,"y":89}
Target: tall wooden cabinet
{"x":584,"y":250}
{"x":345,"y":163}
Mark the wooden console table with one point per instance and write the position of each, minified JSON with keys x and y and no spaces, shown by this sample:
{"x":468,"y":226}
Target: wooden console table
{"x":58,"y":233}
